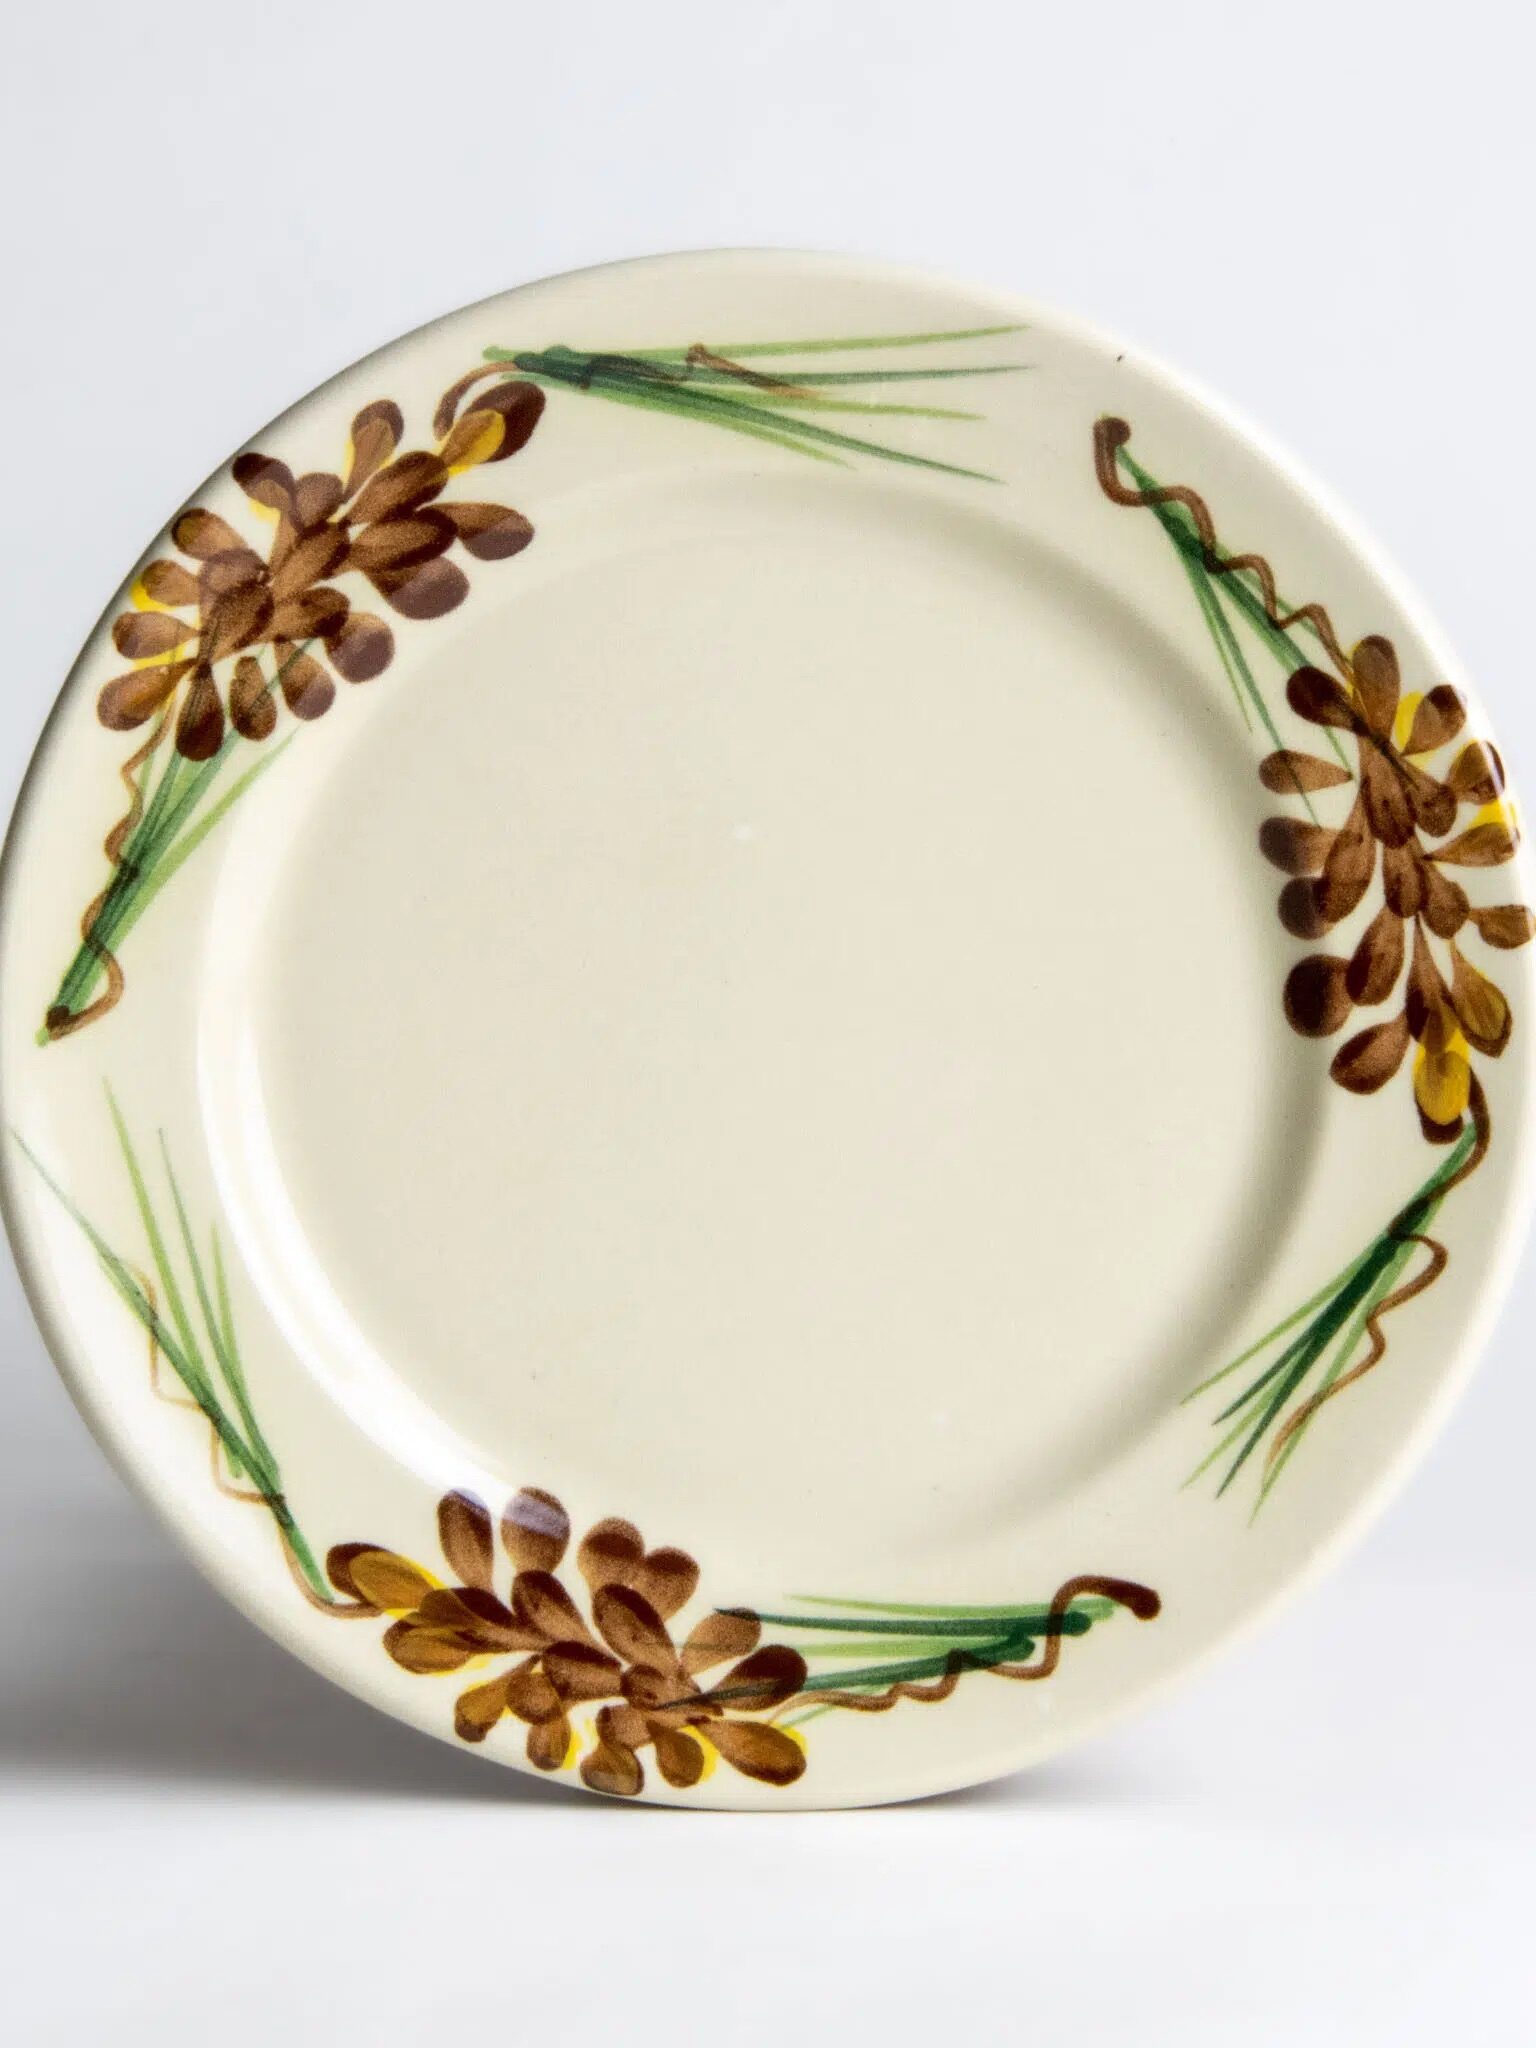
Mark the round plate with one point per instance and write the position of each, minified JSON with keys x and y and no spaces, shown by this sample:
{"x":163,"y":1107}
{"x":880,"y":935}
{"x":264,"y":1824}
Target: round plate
{"x":659,"y":914}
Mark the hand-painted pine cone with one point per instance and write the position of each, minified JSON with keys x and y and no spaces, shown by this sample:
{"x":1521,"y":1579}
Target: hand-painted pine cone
{"x":554,"y":1659}
{"x":1400,"y":809}
{"x":228,"y":632}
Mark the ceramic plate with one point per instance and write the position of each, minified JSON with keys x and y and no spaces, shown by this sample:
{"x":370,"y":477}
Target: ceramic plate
{"x":759,"y":900}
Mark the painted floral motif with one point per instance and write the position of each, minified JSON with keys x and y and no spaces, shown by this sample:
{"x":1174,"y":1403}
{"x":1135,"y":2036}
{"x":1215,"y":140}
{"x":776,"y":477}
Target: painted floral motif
{"x":1417,"y":803}
{"x":385,"y":521}
{"x":616,"y":1663}
{"x":1399,"y":810}
{"x":218,"y":638}
{"x":555,"y":1658}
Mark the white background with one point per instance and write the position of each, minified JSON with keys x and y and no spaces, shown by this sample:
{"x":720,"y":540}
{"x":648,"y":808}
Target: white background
{"x":1324,"y":212}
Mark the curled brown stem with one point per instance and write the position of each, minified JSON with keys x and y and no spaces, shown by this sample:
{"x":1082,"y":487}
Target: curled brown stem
{"x":1110,"y":435}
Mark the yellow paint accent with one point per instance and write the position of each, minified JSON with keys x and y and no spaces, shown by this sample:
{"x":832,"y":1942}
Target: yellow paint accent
{"x":1402,"y":725}
{"x":711,"y":1754}
{"x":141,"y":601}
{"x":1442,"y":1080}
{"x":1500,"y":812}
{"x":484,"y":445}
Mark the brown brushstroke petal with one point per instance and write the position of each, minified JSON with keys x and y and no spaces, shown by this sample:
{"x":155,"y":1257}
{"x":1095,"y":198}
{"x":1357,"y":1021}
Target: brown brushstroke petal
{"x":464,"y":1531}
{"x":169,"y":583}
{"x":531,"y":1697}
{"x":425,"y":1651}
{"x":475,"y":1614}
{"x":1288,"y":773}
{"x":374,"y":437}
{"x":386,"y":1579}
{"x":490,"y":533}
{"x":424,"y":593}
{"x":401,"y":487}
{"x":535,"y":1530}
{"x":1504,"y":925}
{"x":200,"y":722}
{"x":580,"y":1671}
{"x":680,"y":1756}
{"x":758,"y":1750}
{"x":540,"y":1602}
{"x":668,"y":1579}
{"x":1440,"y":1033}
{"x":1368,"y":1061}
{"x":1481,"y":846}
{"x":1477,"y":773}
{"x":1481,"y":1005}
{"x":1377,"y":682}
{"x":307,"y":689}
{"x":1434,"y":806}
{"x":128,"y":700}
{"x":716,"y":1637}
{"x":315,"y":497}
{"x":400,"y":543}
{"x":361,"y":648}
{"x":142,"y":636}
{"x":624,"y":1725}
{"x":1402,"y":879}
{"x":1445,"y":906}
{"x":1387,"y":804}
{"x":1429,"y":1000}
{"x":313,"y":555}
{"x":1347,"y":871}
{"x":339,"y":1560}
{"x":229,"y":570}
{"x":663,"y":1696}
{"x":204,"y":534}
{"x":252,"y":712}
{"x":1299,"y":910}
{"x":610,"y":1553}
{"x":630,"y":1626}
{"x":1320,"y":699}
{"x":1437,"y":718}
{"x":1317,"y":995}
{"x":1377,"y":960}
{"x":614,"y":1769}
{"x":549,"y":1744}
{"x":1295,"y":845}
{"x":519,"y":406}
{"x":767,"y":1678}
{"x":475,"y":1609}
{"x":476,"y":1712}
{"x":266,"y":480}
{"x":314,"y":614}
{"x":239,"y":619}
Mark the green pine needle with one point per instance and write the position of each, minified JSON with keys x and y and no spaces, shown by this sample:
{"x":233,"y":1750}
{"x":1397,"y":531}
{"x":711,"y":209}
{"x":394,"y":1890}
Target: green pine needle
{"x":714,"y":388}
{"x":207,"y":1363}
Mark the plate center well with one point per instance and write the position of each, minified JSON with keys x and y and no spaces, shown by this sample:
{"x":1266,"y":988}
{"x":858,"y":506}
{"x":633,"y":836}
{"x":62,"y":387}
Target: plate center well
{"x":776,"y":1010}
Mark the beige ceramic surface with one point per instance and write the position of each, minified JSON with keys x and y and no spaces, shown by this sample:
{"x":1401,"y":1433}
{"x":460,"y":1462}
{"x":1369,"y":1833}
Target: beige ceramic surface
{"x":765,"y":1020}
